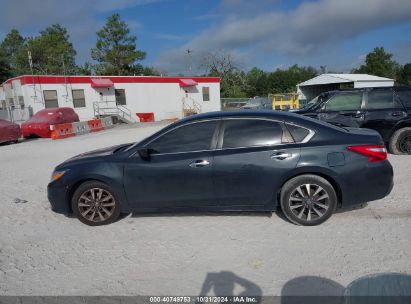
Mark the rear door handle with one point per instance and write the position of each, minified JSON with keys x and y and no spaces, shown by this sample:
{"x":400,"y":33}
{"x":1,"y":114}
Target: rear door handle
{"x":398,"y":113}
{"x":199,"y":163}
{"x":358,"y":115}
{"x":281,"y":155}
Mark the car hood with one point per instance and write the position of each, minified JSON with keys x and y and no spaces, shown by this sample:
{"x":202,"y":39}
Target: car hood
{"x":94,"y":154}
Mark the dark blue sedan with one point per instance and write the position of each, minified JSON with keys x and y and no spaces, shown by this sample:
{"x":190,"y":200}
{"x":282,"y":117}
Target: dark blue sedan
{"x":228,"y":161}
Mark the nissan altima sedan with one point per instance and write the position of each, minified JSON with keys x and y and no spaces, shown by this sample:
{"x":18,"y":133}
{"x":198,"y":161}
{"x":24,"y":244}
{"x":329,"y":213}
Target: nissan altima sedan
{"x":228,"y":161}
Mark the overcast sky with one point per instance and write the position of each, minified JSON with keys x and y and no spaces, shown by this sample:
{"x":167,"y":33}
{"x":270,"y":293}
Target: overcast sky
{"x":268,"y":34}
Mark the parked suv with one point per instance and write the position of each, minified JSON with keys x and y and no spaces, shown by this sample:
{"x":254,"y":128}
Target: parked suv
{"x":384,"y":109}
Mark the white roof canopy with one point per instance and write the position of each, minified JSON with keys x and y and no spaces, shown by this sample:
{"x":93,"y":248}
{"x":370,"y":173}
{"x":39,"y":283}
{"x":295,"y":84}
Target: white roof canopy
{"x":342,"y":78}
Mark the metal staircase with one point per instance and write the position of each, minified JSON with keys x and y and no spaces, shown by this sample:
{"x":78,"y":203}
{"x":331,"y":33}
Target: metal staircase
{"x":111,"y":108}
{"x":191,"y":107}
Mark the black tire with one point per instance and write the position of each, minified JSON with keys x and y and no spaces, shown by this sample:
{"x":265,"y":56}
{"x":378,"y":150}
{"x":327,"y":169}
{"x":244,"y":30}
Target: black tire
{"x":398,"y":142}
{"x":93,"y":208}
{"x":315,"y":207}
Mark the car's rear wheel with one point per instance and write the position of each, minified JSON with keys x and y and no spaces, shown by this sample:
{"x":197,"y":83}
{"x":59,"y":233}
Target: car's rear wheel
{"x":308,"y":200}
{"x":94,"y":204}
{"x":400,"y":142}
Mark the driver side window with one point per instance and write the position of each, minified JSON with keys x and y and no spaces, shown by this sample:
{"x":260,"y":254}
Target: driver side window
{"x":188,"y":138}
{"x":344,"y":102}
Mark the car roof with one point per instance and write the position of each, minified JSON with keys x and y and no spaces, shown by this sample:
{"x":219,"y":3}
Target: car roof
{"x":271,"y":114}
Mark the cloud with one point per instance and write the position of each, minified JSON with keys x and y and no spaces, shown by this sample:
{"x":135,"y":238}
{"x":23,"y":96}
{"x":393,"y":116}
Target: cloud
{"x":301,"y":31}
{"x":78,"y":16}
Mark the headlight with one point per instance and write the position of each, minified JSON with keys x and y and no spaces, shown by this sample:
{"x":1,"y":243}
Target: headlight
{"x":57,"y":175}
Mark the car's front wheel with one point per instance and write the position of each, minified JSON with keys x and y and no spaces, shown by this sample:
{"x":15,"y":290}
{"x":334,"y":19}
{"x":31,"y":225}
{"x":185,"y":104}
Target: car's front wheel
{"x":308,"y":200}
{"x":94,"y":203}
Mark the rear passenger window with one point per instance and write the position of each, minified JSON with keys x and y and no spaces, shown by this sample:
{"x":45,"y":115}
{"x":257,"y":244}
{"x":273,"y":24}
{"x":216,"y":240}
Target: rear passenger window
{"x":240,"y":133}
{"x":405,"y":97}
{"x":298,"y":133}
{"x":345,"y":102}
{"x":380,"y":99}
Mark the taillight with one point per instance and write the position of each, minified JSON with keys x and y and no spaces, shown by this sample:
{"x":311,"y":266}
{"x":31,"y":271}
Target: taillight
{"x":375,"y":153}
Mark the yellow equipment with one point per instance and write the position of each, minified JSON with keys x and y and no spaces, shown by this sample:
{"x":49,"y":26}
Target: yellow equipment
{"x":285,"y":101}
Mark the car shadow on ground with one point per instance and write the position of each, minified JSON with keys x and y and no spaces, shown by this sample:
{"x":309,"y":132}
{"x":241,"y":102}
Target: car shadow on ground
{"x":277,"y":213}
{"x":193,"y":213}
{"x":375,"y":288}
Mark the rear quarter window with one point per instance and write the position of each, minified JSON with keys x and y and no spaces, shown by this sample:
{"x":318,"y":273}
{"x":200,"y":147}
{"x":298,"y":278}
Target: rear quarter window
{"x":298,"y":133}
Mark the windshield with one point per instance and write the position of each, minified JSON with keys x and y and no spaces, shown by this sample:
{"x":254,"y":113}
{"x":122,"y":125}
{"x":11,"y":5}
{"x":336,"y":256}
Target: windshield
{"x":310,"y":103}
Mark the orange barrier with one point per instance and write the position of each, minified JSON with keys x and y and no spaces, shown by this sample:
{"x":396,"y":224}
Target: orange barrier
{"x":80,"y":128}
{"x":145,"y":117}
{"x":95,"y":125}
{"x":62,"y":131}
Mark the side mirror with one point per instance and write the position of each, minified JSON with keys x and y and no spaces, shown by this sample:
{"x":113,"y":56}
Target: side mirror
{"x":321,"y":109}
{"x":144,"y":153}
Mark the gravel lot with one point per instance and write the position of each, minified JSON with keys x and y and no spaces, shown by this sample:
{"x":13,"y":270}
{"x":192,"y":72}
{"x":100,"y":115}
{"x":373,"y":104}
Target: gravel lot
{"x":43,"y":253}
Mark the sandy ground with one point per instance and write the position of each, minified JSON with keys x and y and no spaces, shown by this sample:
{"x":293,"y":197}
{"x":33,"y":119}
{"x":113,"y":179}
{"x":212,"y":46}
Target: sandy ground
{"x":43,"y":253}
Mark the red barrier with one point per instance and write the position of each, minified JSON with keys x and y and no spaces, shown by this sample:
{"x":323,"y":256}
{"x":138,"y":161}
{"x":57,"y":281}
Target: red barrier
{"x":95,"y":125}
{"x":62,"y":131}
{"x":145,"y":117}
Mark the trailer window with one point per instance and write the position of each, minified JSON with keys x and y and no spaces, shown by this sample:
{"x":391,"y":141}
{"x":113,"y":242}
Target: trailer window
{"x":50,"y":99}
{"x":206,"y":94}
{"x":79,"y":101}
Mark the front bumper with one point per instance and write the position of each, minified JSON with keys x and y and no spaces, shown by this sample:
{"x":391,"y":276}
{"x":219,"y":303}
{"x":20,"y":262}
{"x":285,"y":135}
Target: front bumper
{"x":57,"y":196}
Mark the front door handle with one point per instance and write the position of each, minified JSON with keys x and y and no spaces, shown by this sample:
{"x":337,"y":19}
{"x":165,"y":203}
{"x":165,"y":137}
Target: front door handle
{"x":199,"y":163}
{"x":281,"y":155}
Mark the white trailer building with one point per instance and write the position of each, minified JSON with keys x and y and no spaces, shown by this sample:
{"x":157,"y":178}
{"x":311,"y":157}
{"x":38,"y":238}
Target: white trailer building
{"x":122,"y":96}
{"x":328,"y":82}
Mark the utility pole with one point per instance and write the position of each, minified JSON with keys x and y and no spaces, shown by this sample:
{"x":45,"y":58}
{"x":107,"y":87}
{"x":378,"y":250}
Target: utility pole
{"x":32,"y":73}
{"x":189,"y":60}
{"x":65,"y":78}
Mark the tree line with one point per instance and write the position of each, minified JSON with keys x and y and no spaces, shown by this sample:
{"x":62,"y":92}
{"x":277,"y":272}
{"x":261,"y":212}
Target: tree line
{"x":236,"y":83}
{"x":116,"y":53}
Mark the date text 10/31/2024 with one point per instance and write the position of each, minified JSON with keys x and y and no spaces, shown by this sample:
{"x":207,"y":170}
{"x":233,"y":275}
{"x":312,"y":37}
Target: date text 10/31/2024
{"x":204,"y":299}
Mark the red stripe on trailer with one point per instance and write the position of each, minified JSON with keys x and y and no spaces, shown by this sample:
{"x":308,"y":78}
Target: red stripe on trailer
{"x":34,"y":79}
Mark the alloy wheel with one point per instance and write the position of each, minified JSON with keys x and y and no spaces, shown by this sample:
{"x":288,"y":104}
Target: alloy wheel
{"x":405,"y":144}
{"x":96,"y":204}
{"x":309,"y":202}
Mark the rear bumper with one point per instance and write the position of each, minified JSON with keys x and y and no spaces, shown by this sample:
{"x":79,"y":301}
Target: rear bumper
{"x":57,"y":196}
{"x":372,"y":183}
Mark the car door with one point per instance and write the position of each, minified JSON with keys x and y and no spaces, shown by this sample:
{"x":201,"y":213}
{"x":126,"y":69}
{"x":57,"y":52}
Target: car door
{"x":344,"y":108}
{"x":251,"y":158}
{"x":383,"y":111}
{"x":178,"y":171}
